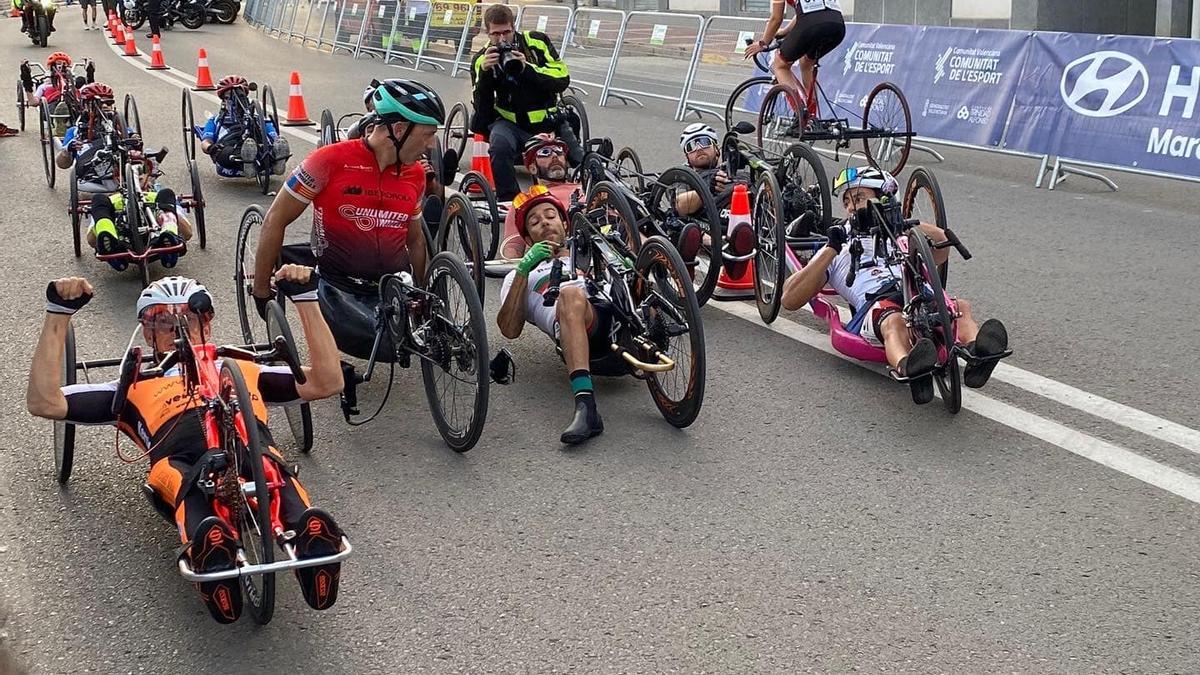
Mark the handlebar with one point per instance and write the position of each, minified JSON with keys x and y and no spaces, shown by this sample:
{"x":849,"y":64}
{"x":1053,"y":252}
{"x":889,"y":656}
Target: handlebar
{"x":758,"y":58}
{"x":551,"y":295}
{"x":953,"y":240}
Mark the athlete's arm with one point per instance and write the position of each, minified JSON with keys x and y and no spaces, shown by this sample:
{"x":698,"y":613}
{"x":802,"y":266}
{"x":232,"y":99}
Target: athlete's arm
{"x":417,"y":253}
{"x":511,"y":318}
{"x":43,"y":397}
{"x":323,"y":374}
{"x":805,"y":284}
{"x":772,"y":31}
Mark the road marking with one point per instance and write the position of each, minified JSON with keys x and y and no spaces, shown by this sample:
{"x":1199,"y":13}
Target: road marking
{"x":1076,"y":442}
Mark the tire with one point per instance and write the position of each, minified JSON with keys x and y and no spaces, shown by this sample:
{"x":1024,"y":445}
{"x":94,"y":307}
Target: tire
{"x":446,"y":273}
{"x":64,"y":432}
{"x":132,"y":119}
{"x":487,"y":211}
{"x":268,"y":97}
{"x":580,"y":126}
{"x":661,"y":202}
{"x":243,"y":273}
{"x":76,"y":235}
{"x":329,"y":134}
{"x":455,"y":133}
{"x":189,"y":125}
{"x":660,"y":269}
{"x":299,"y":416}
{"x":459,"y":233}
{"x":923,"y":200}
{"x":47,"y":131}
{"x":779,"y":105}
{"x":21,"y":104}
{"x":43,"y":30}
{"x":629,"y":169}
{"x":744,"y":103}
{"x":770,"y":266}
{"x":935,"y":323}
{"x":255,"y":521}
{"x":198,"y":203}
{"x":805,"y":186}
{"x":193,"y":18}
{"x":133,"y":225}
{"x":610,"y":198}
{"x":132,"y":16}
{"x":887,"y":110}
{"x":224,"y":11}
{"x":261,"y":174}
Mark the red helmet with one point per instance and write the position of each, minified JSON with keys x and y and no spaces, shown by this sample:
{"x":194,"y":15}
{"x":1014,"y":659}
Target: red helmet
{"x":536,"y":143}
{"x":231,"y":82}
{"x":58,"y":57}
{"x":524,"y":203}
{"x":96,"y":91}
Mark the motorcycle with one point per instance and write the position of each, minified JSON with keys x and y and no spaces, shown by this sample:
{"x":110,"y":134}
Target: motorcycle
{"x":190,"y":13}
{"x":38,"y":17}
{"x":223,"y":11}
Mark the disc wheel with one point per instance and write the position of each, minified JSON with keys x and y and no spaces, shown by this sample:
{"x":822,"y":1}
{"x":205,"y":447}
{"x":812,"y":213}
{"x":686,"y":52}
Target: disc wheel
{"x":245,"y":249}
{"x":769,"y":265}
{"x":459,"y":233}
{"x":242,"y":442}
{"x":299,"y":416}
{"x":76,"y":235}
{"x":745,"y":102}
{"x":779,"y":118}
{"x":662,"y":202}
{"x":47,"y":132}
{"x":64,"y":432}
{"x":923,"y":201}
{"x":629,"y":169}
{"x":578,"y":121}
{"x":132,"y":119}
{"x":328,"y":132}
{"x":887,"y":112}
{"x":487,"y":211}
{"x":198,"y":202}
{"x":667,"y":303}
{"x":21,"y":104}
{"x":931,"y":317}
{"x":455,"y":134}
{"x":805,"y":187}
{"x":607,"y":207}
{"x":189,"y":125}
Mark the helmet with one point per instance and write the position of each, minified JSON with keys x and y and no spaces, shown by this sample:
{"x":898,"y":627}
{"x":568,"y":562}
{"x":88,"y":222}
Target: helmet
{"x":694,"y":131}
{"x":231,"y":82}
{"x":58,"y":57}
{"x":96,"y":91}
{"x":866,"y":176}
{"x":177,"y":292}
{"x":369,"y":93}
{"x":524,"y":203}
{"x":405,"y":100}
{"x":538,"y":142}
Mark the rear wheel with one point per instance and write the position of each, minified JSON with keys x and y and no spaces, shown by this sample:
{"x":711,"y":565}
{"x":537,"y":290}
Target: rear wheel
{"x":21,"y":104}
{"x":132,"y":119}
{"x":198,"y":203}
{"x":262,"y":164}
{"x":193,"y":18}
{"x":328,"y":131}
{"x":455,"y":134}
{"x":133,"y":224}
{"x":299,"y":416}
{"x":664,"y":192}
{"x":607,"y":207}
{"x":76,"y":235}
{"x":805,"y":187}
{"x":225,"y":11}
{"x":459,"y":233}
{"x":667,"y":303}
{"x":887,"y":112}
{"x":770,"y":268}
{"x":269,"y":108}
{"x":923,"y":201}
{"x":487,"y":212}
{"x":189,"y":125}
{"x":931,"y":317}
{"x":745,"y":102}
{"x":132,"y":16}
{"x":780,"y":118}
{"x":579,"y":120}
{"x":64,"y":432}
{"x":629,"y":170}
{"x":47,"y":130}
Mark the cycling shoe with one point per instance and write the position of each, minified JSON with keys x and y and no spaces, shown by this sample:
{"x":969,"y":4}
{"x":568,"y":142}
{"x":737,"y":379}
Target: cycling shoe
{"x":214,"y":549}
{"x":917,"y":366}
{"x":586,"y":423}
{"x":318,"y":535}
{"x":991,"y":340}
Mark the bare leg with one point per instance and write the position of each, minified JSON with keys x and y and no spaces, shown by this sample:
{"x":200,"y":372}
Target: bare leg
{"x":575,"y":314}
{"x":967,"y":326}
{"x":783,"y":73}
{"x":897,"y":340}
{"x":808,"y":69}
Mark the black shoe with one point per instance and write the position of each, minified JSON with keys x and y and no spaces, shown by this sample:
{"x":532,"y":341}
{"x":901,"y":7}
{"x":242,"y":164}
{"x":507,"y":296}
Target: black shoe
{"x":214,"y":549}
{"x":587,"y":422}
{"x":317,"y":535}
{"x":917,"y":366}
{"x":349,"y":395}
{"x":991,"y":340}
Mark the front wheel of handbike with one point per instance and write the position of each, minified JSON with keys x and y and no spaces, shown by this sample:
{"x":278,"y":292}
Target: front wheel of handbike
{"x":937,"y":324}
{"x":64,"y":432}
{"x":299,"y":416}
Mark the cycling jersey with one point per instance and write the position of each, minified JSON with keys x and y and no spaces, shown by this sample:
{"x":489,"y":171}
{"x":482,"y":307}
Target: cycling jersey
{"x":866,"y":281}
{"x":361,"y":214}
{"x":810,"y":6}
{"x":47,"y":92}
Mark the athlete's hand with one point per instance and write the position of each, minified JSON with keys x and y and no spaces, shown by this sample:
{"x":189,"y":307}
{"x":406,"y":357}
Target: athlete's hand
{"x":67,"y":295}
{"x":836,"y":238}
{"x":721,"y":179}
{"x":260,"y":303}
{"x":536,"y":254}
{"x":297,"y":282}
{"x":74,"y":145}
{"x":754,"y":48}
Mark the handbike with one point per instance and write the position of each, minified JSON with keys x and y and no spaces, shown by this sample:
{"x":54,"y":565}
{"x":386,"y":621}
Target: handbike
{"x":253,"y":116}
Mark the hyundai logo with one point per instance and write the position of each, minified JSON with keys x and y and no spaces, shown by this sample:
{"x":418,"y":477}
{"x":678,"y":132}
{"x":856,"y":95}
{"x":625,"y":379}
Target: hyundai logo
{"x":1102,"y":83}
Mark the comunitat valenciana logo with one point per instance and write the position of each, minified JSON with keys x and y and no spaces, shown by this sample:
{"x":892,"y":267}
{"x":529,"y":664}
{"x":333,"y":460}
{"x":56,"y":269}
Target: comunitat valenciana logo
{"x":1104,"y":84}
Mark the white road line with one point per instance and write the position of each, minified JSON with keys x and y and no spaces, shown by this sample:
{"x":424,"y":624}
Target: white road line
{"x":1089,"y":447}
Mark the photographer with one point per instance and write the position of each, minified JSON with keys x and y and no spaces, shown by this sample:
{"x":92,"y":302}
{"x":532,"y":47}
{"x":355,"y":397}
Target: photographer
{"x":517,"y":79}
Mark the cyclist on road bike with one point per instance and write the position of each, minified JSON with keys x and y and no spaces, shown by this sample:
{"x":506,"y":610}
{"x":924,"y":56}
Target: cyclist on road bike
{"x":367,"y":197}
{"x":817,"y":29}
{"x":165,"y":423}
{"x":877,"y":286}
{"x":226,"y":139}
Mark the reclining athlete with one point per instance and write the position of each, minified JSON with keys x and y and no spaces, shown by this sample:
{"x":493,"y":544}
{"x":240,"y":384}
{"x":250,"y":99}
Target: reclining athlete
{"x":226,"y":139}
{"x":367,"y":197}
{"x":878,"y":287}
{"x":702,"y":152}
{"x":164,"y":423}
{"x":52,"y":88}
{"x":545,"y":157}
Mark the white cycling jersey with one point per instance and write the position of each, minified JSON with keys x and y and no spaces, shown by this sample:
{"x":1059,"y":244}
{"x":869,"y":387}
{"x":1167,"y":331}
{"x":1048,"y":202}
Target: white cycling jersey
{"x":810,"y":6}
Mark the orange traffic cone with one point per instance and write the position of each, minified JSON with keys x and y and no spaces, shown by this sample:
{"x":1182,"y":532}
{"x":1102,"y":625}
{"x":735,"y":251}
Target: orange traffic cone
{"x":130,"y":45}
{"x":297,"y":114}
{"x":203,"y":74}
{"x":736,"y":281}
{"x":480,"y":161}
{"x":118,"y":34}
{"x":156,"y":55}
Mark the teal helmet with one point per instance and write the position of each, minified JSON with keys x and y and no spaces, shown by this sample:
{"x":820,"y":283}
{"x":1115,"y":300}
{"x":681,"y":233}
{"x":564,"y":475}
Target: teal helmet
{"x":398,"y":100}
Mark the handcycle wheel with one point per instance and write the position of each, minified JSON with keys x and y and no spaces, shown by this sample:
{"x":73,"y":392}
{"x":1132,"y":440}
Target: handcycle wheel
{"x":132,"y":119}
{"x":261,"y":173}
{"x":245,"y":249}
{"x":253,"y":514}
{"x":328,"y":131}
{"x":487,"y":211}
{"x":459,"y":233}
{"x":579,"y":121}
{"x":932,"y":317}
{"x":435,"y":157}
{"x":611,"y":209}
{"x":661,"y":202}
{"x":770,"y":268}
{"x":47,"y":131}
{"x":744,"y":103}
{"x":21,"y":104}
{"x":780,"y":109}
{"x":923,"y":201}
{"x":268,"y":97}
{"x":76,"y":235}
{"x":887,"y":111}
{"x":665,"y":297}
{"x":455,"y":133}
{"x":64,"y":432}
{"x":189,"y":125}
{"x":805,"y":187}
{"x":133,"y":223}
{"x":299,"y":416}
{"x":197,"y":202}
{"x":629,"y":170}
{"x":593,"y":166}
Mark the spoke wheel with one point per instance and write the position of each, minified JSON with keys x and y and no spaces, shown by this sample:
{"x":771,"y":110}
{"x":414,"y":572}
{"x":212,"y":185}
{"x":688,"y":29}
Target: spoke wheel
{"x":245,"y":249}
{"x":299,"y":415}
{"x":770,"y":268}
{"x":459,"y":233}
{"x":662,"y":204}
{"x":133,"y":222}
{"x":629,"y":170}
{"x":198,"y":203}
{"x":64,"y":432}
{"x":268,"y":106}
{"x":487,"y":211}
{"x":931,"y":317}
{"x":262,"y":164}
{"x":21,"y":104}
{"x":329,"y":134}
{"x":132,"y":119}
{"x":47,"y":131}
{"x":189,"y":125}
{"x":778,"y":116}
{"x":76,"y":235}
{"x":455,"y":134}
{"x":254,"y":518}
{"x":745,"y":102}
{"x":666,"y":301}
{"x":805,"y":187}
{"x":887,"y":112}
{"x":578,"y":121}
{"x":923,"y":201}
{"x":607,"y":207}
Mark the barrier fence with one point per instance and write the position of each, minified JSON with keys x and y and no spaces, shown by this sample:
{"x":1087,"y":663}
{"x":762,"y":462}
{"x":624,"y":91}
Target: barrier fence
{"x":1070,"y":100}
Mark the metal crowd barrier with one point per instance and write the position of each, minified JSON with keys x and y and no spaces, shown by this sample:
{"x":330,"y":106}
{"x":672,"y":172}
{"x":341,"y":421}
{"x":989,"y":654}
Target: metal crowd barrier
{"x":377,"y":28}
{"x":466,"y":43}
{"x":348,"y":30}
{"x":300,"y":19}
{"x":593,"y":40}
{"x":651,"y":43}
{"x":721,"y":66}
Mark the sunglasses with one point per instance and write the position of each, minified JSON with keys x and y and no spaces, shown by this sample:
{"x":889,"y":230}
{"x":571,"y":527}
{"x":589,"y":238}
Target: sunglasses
{"x":533,"y":193}
{"x":550,"y":151}
{"x":699,"y":144}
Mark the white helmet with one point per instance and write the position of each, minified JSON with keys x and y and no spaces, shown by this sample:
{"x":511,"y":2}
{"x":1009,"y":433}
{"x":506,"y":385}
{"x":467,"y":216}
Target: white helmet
{"x":176,"y":291}
{"x":694,"y":131}
{"x":868,"y":177}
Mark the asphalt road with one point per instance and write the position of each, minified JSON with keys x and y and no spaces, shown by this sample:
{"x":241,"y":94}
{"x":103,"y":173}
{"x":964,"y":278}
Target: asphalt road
{"x":812,"y":519}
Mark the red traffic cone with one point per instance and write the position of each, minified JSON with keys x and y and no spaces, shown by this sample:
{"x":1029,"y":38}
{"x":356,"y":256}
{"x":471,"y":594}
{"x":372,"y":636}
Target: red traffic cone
{"x":480,"y":161}
{"x":203,"y":74}
{"x":130,"y":45}
{"x":118,"y":34}
{"x":736,"y":280}
{"x":156,"y":55}
{"x":297,"y":114}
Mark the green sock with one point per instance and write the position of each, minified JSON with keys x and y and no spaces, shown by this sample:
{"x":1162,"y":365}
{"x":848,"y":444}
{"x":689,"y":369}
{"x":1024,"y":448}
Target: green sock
{"x":581,"y":383}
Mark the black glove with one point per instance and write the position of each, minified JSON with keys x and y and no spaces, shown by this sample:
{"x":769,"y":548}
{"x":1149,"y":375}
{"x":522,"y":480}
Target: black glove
{"x":299,"y":292}
{"x":260,"y":304}
{"x":56,"y":304}
{"x":836,"y":238}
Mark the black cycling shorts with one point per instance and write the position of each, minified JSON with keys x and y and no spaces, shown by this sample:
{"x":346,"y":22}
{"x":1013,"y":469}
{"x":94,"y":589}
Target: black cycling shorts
{"x":814,"y":36}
